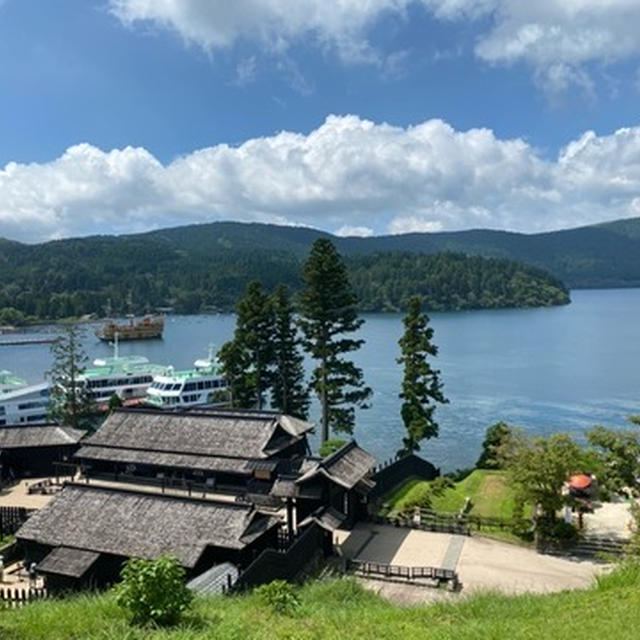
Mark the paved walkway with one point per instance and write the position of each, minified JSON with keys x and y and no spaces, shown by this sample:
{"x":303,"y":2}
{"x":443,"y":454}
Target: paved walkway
{"x":481,"y":563}
{"x":18,"y":496}
{"x":452,"y":555}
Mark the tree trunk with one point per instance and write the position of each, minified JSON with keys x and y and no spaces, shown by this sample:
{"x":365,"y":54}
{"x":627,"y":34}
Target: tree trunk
{"x":325,"y":408}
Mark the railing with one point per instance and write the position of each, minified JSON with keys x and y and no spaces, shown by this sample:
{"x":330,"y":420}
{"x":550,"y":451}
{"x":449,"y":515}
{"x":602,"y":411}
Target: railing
{"x":12,"y":518}
{"x":19,"y":597}
{"x":435,"y":525}
{"x":425,"y":576}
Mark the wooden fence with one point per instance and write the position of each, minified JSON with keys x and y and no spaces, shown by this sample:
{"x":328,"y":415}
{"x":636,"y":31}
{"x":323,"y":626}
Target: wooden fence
{"x":286,"y":564}
{"x":438,"y":526}
{"x":12,"y":518}
{"x":394,"y":472}
{"x":20,"y":597}
{"x":425,"y":576}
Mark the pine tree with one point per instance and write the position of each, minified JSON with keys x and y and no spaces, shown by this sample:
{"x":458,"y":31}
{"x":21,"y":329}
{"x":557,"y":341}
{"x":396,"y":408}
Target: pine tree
{"x":328,"y":315}
{"x":289,"y":393}
{"x":421,"y":385}
{"x":70,"y":403}
{"x":248,"y":360}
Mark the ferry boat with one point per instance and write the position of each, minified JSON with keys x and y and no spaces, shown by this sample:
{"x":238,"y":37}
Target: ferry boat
{"x":145,"y":328}
{"x":21,"y":403}
{"x":128,"y":377}
{"x":204,"y":384}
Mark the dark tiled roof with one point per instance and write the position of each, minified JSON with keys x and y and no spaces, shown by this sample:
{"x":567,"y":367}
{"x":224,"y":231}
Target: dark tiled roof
{"x":49,"y":435}
{"x":68,"y":562}
{"x":162,"y":459}
{"x":347,"y":466}
{"x":223,"y":433}
{"x":136,"y":523}
{"x":214,"y":580}
{"x":326,"y":517}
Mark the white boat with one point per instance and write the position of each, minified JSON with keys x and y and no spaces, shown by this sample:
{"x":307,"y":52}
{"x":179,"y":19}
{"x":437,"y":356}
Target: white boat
{"x":21,"y":403}
{"x":128,"y":377}
{"x":204,"y":384}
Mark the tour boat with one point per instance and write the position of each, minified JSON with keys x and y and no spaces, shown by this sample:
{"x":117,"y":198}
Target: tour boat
{"x":204,"y":384}
{"x":143,"y":329}
{"x":21,"y":403}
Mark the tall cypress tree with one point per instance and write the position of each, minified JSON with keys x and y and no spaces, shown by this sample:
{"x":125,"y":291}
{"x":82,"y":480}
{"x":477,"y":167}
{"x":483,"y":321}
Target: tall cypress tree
{"x":328,"y":316}
{"x":247,"y":360}
{"x":421,"y":385}
{"x":289,"y":393}
{"x":69,"y":403}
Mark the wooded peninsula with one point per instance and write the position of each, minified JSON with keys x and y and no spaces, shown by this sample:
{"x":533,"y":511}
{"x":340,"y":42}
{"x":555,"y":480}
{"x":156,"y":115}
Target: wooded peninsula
{"x":189,"y":271}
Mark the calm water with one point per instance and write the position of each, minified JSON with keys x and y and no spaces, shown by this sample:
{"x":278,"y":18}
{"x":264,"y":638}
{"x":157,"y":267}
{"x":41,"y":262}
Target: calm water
{"x":565,"y":368}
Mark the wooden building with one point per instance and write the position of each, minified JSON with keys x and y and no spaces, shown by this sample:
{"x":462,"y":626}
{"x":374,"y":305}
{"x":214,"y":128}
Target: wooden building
{"x":32,"y":451}
{"x":83,"y":536}
{"x":236,"y":451}
{"x":332,"y":490}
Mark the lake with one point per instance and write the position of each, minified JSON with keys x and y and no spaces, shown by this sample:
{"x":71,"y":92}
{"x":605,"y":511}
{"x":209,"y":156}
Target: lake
{"x":559,"y":369}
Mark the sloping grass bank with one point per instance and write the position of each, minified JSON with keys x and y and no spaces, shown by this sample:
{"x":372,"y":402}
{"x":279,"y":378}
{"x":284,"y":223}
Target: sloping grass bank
{"x":340,"y":609}
{"x":489,"y":492}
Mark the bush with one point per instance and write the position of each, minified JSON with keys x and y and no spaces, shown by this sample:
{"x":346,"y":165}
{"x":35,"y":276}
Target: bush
{"x":558,"y":530}
{"x":329,"y":446}
{"x":153,"y":590}
{"x":280,"y":596}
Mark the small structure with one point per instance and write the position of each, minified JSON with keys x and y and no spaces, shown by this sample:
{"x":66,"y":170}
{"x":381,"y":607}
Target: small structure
{"x":333,"y":490}
{"x":33,"y":451}
{"x":236,"y":451}
{"x":84,"y":535}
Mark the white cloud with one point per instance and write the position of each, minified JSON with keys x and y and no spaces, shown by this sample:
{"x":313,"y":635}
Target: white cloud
{"x":557,"y":38}
{"x":347,"y":230}
{"x":348,"y":174}
{"x":274,"y":24}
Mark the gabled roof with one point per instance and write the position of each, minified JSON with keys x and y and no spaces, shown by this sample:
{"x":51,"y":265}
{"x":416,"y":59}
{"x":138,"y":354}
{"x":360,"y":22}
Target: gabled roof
{"x":66,"y":561}
{"x":347,"y":466}
{"x":141,"y":524}
{"x":46,"y":435}
{"x":328,"y":518}
{"x":223,"y":434}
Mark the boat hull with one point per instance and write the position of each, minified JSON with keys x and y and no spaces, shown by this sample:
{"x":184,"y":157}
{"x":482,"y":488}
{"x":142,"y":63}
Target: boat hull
{"x":146,"y":329}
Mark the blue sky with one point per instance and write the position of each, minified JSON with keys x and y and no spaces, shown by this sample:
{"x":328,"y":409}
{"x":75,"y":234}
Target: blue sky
{"x":376,"y":116}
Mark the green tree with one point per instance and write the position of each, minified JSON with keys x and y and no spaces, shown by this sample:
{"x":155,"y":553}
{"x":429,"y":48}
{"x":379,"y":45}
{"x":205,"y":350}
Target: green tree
{"x":495,"y":437}
{"x":328,"y":316}
{"x":153,"y":590}
{"x":289,"y":393}
{"x":247,"y":364}
{"x":538,"y":468}
{"x":421,"y":385}
{"x":70,"y":402}
{"x":618,"y":452}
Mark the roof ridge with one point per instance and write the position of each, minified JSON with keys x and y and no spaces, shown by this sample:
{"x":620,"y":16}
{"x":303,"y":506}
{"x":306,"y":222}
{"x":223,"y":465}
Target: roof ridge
{"x":165,"y":496}
{"x":338,"y":453}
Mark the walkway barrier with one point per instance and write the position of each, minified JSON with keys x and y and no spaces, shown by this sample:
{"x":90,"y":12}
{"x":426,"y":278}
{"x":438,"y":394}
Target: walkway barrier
{"x":19,"y":597}
{"x":421,"y":576}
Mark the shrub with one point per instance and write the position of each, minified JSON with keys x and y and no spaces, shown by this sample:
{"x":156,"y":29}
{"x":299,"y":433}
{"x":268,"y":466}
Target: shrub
{"x":280,"y":596}
{"x":329,"y":446}
{"x":153,"y":590}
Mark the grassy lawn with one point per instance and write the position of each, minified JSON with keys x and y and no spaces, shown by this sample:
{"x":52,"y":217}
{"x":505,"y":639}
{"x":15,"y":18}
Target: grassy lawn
{"x":488,"y":490}
{"x":340,"y":609}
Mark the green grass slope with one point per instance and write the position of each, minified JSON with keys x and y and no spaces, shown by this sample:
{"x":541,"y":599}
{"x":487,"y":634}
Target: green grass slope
{"x":490,"y":495}
{"x":341,"y":609}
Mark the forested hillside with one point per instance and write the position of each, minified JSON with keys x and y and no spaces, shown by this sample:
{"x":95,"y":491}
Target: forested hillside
{"x":195,"y":269}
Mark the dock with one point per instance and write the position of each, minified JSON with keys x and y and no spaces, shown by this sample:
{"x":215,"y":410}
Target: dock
{"x":14,"y":342}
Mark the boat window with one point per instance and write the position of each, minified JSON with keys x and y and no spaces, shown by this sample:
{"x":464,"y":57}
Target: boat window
{"x":2,"y":411}
{"x":200,"y":386}
{"x":176,"y":387}
{"x":190,"y":386}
